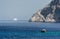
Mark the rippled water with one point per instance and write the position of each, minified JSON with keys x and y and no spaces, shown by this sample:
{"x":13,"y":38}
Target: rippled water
{"x":29,"y":31}
{"x":29,"y":35}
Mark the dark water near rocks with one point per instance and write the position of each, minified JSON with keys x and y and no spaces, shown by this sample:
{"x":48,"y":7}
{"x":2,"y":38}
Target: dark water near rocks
{"x":20,"y":30}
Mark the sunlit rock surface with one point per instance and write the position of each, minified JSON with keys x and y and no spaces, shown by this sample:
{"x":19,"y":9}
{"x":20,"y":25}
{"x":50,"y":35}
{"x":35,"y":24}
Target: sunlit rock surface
{"x":50,"y":13}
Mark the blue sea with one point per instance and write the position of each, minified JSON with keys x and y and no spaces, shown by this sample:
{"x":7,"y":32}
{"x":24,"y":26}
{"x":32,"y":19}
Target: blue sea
{"x":29,"y":30}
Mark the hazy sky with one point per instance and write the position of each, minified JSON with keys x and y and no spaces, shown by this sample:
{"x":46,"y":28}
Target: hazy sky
{"x":20,"y":9}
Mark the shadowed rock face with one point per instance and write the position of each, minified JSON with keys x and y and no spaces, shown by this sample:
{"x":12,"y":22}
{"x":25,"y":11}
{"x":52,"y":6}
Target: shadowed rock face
{"x":46,"y":11}
{"x":55,"y":2}
{"x":57,"y":14}
{"x":50,"y":13}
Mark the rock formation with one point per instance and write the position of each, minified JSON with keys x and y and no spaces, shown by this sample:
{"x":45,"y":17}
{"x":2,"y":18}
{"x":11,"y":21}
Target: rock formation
{"x":50,"y":13}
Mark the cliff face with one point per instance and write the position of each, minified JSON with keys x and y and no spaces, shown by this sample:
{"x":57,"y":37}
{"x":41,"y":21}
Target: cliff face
{"x":50,"y":13}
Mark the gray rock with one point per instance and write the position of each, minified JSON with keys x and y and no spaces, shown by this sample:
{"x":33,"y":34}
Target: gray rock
{"x":50,"y":13}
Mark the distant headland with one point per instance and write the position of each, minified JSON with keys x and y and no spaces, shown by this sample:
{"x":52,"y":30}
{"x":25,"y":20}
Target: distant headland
{"x":50,"y":13}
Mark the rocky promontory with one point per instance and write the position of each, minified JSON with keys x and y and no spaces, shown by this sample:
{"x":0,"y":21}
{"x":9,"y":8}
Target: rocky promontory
{"x":50,"y":13}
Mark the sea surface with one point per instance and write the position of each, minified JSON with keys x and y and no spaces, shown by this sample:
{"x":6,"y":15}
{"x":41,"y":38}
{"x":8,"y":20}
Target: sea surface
{"x":29,"y":30}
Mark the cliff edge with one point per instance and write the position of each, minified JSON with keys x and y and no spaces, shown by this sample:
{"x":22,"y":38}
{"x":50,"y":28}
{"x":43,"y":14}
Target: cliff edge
{"x":50,"y":13}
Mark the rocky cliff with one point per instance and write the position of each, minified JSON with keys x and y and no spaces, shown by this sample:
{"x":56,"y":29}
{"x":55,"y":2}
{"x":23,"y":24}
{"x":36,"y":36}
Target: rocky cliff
{"x":50,"y":13}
